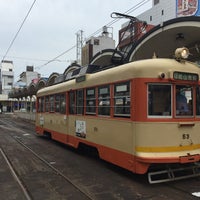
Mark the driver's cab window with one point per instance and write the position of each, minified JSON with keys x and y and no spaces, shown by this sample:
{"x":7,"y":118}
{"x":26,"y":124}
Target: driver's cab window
{"x":159,"y":100}
{"x":184,"y":100}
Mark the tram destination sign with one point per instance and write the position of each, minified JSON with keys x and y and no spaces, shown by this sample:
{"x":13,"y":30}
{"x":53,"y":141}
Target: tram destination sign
{"x":80,"y":79}
{"x":184,"y":76}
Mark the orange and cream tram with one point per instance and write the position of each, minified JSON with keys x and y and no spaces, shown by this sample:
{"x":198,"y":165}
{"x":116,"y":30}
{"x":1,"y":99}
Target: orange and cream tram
{"x":141,"y":116}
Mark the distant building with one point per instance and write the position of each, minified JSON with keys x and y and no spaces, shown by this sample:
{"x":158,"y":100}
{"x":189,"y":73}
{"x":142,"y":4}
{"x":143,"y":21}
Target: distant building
{"x":28,"y":76}
{"x":6,"y":84}
{"x":160,"y":12}
{"x":163,"y":10}
{"x":96,"y":44}
{"x":6,"y":77}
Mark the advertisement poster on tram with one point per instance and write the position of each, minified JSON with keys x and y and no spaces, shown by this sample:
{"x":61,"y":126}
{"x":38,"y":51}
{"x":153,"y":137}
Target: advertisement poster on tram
{"x":187,"y":8}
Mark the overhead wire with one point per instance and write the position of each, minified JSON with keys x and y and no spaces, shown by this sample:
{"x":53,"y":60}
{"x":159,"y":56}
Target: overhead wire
{"x":55,"y":59}
{"x":135,"y":7}
{"x":96,"y":32}
{"x":12,"y":42}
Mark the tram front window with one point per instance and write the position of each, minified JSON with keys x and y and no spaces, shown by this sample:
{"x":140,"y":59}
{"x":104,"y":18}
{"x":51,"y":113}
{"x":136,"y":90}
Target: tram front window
{"x":159,"y":100}
{"x":198,"y":100}
{"x":184,"y":100}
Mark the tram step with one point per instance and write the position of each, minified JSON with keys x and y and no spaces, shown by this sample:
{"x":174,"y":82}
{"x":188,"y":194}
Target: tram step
{"x":174,"y":174}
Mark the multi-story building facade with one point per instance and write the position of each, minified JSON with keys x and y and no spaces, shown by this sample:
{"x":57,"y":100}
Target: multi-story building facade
{"x":28,"y":76}
{"x":96,"y":44}
{"x":160,"y":12}
{"x":7,"y":77}
{"x":6,"y":84}
{"x":163,"y":10}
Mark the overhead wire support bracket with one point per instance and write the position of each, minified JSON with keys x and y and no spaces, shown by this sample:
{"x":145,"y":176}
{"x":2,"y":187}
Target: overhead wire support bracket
{"x":120,"y":15}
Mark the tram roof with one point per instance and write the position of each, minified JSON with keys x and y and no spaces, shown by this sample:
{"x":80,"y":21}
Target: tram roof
{"x":168,"y":36}
{"x":148,"y":68}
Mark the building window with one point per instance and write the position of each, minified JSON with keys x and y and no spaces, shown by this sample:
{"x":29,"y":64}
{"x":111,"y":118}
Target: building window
{"x":150,"y":18}
{"x":96,"y":41}
{"x":156,"y":2}
{"x":162,"y":12}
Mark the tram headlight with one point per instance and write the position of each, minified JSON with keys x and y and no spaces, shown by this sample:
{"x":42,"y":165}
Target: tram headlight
{"x":182,"y":53}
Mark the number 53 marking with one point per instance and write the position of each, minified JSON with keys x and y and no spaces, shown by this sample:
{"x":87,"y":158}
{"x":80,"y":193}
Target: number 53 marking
{"x":186,"y":136}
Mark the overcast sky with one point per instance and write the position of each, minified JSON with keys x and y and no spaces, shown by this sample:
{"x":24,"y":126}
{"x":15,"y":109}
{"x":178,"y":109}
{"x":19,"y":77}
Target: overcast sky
{"x":51,"y":28}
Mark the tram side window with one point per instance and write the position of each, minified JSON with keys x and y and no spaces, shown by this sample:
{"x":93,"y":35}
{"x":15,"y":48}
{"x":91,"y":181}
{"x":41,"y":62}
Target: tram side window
{"x":104,"y":100}
{"x":159,"y":100}
{"x":47,"y":104}
{"x":52,"y":103}
{"x":62,"y":104}
{"x":122,"y":99}
{"x":198,"y":100}
{"x":57,"y":103}
{"x":41,"y":104}
{"x":90,"y":101}
{"x":72,"y":109}
{"x":79,"y":101}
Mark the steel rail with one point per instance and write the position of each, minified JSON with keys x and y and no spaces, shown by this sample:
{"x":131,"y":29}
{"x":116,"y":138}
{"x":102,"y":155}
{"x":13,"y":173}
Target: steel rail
{"x":16,"y":177}
{"x":88,"y":195}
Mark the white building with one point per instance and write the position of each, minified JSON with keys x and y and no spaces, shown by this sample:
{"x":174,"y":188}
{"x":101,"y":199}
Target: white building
{"x":6,"y":77}
{"x":97,"y":44}
{"x":28,"y":76}
{"x":163,"y":10}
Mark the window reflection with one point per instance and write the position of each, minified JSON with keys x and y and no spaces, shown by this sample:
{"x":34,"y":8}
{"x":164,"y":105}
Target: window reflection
{"x":159,"y":100}
{"x":198,"y":100}
{"x":184,"y":100}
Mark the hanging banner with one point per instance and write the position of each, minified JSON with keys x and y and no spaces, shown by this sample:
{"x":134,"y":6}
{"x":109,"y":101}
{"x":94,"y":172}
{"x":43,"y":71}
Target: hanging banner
{"x":187,"y":8}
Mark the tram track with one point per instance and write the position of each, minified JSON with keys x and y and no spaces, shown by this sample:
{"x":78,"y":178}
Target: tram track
{"x":35,"y":159}
{"x":58,"y":172}
{"x":16,"y":177}
{"x":8,"y":126}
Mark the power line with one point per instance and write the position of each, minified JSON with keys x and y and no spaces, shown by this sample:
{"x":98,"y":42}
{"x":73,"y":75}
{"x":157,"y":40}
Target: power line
{"x":135,"y":7}
{"x":12,"y":42}
{"x":55,"y":59}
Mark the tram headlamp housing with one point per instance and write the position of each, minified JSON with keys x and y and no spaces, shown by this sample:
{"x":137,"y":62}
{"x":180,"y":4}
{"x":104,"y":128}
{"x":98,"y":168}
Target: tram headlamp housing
{"x":182,"y":53}
{"x":161,"y":75}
